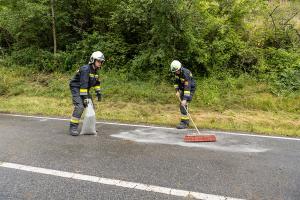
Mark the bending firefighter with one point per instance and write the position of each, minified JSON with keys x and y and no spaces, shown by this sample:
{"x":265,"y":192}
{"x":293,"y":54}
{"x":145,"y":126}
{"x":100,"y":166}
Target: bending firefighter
{"x":185,"y":87}
{"x":85,"y":79}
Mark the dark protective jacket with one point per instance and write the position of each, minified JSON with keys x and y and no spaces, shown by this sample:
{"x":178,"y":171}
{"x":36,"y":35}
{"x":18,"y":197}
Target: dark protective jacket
{"x":185,"y":82}
{"x":85,"y":79}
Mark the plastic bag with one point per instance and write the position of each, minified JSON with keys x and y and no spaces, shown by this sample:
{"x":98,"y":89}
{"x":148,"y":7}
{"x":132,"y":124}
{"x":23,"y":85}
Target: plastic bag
{"x":89,"y":121}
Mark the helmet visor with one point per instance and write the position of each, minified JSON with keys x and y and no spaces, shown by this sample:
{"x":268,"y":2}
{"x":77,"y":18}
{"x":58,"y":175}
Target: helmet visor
{"x":100,"y":60}
{"x":175,"y":69}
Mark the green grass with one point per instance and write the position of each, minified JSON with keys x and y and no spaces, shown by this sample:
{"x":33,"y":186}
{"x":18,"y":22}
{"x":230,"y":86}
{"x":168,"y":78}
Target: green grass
{"x":236,"y":104}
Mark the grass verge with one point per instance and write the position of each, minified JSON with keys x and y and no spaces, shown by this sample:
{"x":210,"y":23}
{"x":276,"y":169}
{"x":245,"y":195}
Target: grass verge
{"x":235,"y":104}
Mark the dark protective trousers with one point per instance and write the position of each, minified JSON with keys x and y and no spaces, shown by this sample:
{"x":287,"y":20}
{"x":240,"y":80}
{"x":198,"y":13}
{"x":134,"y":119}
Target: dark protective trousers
{"x":183,"y":111}
{"x":78,"y":105}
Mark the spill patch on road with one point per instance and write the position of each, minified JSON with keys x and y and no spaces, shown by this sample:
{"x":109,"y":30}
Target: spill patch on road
{"x":224,"y":142}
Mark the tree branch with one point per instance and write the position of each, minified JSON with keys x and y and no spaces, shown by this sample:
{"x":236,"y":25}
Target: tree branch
{"x":294,"y":15}
{"x":271,"y":15}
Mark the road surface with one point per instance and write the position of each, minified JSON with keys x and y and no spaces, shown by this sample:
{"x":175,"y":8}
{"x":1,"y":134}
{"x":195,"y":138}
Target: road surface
{"x":39,"y":160}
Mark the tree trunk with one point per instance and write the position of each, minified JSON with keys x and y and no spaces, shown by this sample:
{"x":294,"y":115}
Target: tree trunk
{"x":53,"y":27}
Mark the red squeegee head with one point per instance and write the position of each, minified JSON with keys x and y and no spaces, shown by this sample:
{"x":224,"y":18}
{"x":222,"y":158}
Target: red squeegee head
{"x":200,"y":138}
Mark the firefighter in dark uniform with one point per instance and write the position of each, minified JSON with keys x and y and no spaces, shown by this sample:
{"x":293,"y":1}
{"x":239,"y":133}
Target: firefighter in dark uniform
{"x":185,"y":87}
{"x":84,"y":80}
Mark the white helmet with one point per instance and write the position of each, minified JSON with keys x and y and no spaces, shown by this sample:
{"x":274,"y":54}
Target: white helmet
{"x":97,"y":55}
{"x":175,"y":66}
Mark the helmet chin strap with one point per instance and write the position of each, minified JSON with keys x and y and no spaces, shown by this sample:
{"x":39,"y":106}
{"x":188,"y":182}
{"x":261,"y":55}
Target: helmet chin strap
{"x":96,"y":68}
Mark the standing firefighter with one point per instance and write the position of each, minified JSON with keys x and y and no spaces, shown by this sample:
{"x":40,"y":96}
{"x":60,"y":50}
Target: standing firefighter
{"x":85,"y":79}
{"x":185,"y":87}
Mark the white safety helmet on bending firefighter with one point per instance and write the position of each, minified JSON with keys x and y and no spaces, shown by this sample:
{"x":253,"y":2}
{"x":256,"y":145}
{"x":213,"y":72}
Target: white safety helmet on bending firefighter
{"x":175,"y":66}
{"x":97,"y":55}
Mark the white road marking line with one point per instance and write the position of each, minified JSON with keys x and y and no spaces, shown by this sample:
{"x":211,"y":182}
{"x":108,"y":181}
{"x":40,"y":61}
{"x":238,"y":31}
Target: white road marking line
{"x":109,"y":123}
{"x":249,"y":135}
{"x":86,"y":178}
{"x":159,"y":127}
{"x":115,"y":182}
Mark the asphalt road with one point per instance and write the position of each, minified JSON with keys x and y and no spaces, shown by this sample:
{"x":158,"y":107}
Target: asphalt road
{"x":237,"y":165}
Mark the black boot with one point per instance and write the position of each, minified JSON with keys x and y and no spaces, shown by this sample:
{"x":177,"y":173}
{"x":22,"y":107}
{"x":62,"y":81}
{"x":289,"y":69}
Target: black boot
{"x":182,"y":125}
{"x":73,"y":129}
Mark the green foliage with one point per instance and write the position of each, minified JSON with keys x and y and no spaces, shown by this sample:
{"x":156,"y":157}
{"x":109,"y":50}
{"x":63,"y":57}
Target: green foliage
{"x":39,"y":59}
{"x":282,"y":69}
{"x":3,"y":88}
{"x":114,"y":47}
{"x":141,"y":38}
{"x":280,"y":31}
{"x":279,"y":59}
{"x":287,"y":81}
{"x":28,"y":22}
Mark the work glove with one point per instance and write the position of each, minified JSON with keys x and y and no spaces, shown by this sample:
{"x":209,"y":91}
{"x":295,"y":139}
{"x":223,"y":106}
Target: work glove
{"x":99,"y":95}
{"x":183,"y":102}
{"x":85,"y":101}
